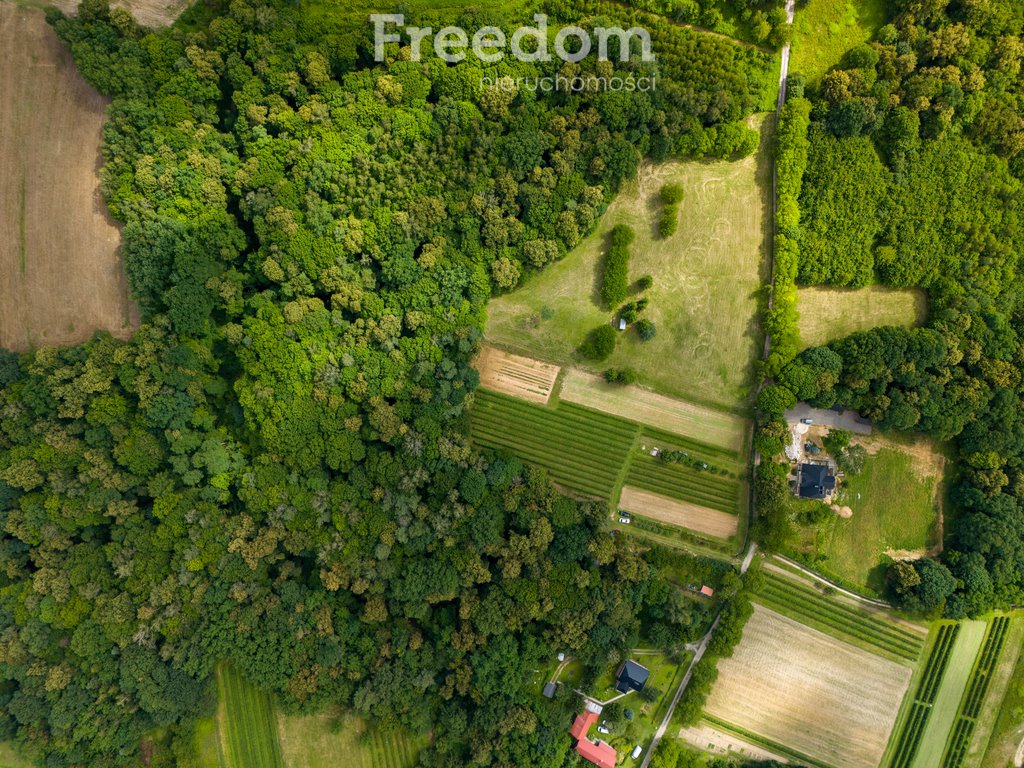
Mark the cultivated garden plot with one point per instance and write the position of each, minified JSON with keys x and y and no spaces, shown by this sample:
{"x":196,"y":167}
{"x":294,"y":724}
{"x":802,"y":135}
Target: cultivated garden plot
{"x":515,"y":375}
{"x":685,"y":515}
{"x":818,"y":696}
{"x":672,"y":414}
{"x":60,"y":273}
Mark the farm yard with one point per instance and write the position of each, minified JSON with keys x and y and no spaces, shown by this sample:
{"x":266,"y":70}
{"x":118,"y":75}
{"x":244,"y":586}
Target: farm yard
{"x":516,"y":375}
{"x":331,"y":739}
{"x":247,"y":722}
{"x":896,"y":504}
{"x":825,"y":29}
{"x":62,"y":274}
{"x":704,"y":299}
{"x":824,"y":701}
{"x":828,"y":314}
{"x":723,"y":430}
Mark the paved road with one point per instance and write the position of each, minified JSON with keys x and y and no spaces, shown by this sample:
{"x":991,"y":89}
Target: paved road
{"x":846,"y":420}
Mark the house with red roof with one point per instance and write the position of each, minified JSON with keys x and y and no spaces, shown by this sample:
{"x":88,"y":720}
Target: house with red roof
{"x":599,"y":753}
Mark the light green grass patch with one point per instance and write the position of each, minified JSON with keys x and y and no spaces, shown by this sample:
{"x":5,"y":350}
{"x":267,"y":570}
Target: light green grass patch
{"x":332,"y":739}
{"x":947,"y":701}
{"x":704,"y":301}
{"x":827,"y":314}
{"x":824,"y":30}
{"x":9,"y":758}
{"x":895,"y":503}
{"x":246,"y":720}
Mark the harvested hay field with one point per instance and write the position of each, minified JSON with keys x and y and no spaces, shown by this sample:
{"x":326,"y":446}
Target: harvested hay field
{"x":62,"y":274}
{"x":707,"y":738}
{"x":827,"y":314}
{"x":810,"y":692}
{"x":148,"y":13}
{"x":717,"y":428}
{"x":516,"y":375}
{"x":690,"y":516}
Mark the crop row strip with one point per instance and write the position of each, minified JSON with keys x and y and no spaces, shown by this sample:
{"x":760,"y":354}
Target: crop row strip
{"x":917,"y":719}
{"x":970,"y":705}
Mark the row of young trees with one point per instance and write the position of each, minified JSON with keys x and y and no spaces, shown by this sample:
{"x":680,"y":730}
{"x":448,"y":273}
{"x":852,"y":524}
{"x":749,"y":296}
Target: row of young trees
{"x":922,"y":194}
{"x":274,"y":469}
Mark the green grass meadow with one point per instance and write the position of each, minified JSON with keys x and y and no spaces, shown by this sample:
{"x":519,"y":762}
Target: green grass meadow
{"x":11,"y":759}
{"x":707,"y":279}
{"x":247,"y":722}
{"x":824,"y":30}
{"x":332,"y":740}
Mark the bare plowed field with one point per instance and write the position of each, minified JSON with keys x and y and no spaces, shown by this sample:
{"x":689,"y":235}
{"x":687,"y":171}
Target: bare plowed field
{"x":691,"y":516}
{"x":516,"y":375}
{"x":810,"y":692}
{"x":61,"y":272}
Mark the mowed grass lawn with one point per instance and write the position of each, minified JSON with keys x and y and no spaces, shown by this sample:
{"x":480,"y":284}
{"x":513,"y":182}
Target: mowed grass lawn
{"x":824,"y":30}
{"x":247,"y":723}
{"x":895,"y":503}
{"x":706,"y":282}
{"x":333,"y":740}
{"x":827,"y":314}
{"x":11,"y":759}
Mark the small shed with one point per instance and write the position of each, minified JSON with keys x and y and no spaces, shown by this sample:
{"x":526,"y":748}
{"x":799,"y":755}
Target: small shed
{"x":622,"y":323}
{"x":707,"y":591}
{"x":549,"y":690}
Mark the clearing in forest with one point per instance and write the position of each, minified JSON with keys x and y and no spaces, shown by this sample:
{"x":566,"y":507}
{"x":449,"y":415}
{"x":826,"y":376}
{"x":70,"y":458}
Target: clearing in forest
{"x":696,"y":518}
{"x":823,"y":30}
{"x":247,"y":723}
{"x":62,"y":277}
{"x":704,"y":299}
{"x":516,"y":375}
{"x":828,"y":314}
{"x":331,"y":739}
{"x":670,"y":414}
{"x":816,"y":695}
{"x":148,"y":13}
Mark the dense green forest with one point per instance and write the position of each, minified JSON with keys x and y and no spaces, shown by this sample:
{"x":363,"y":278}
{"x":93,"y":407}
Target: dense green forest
{"x":274,"y":470}
{"x":905,"y":167}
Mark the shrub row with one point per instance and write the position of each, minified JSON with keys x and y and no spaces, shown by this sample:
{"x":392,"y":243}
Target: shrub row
{"x":615,"y":282}
{"x":671,"y":196}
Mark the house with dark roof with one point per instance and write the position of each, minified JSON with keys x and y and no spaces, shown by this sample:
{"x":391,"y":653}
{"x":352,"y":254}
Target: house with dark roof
{"x":600,"y":753}
{"x":816,"y":481}
{"x":631,"y":677}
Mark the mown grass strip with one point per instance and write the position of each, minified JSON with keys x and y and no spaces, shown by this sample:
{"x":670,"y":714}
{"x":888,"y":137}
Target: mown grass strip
{"x":250,"y":727}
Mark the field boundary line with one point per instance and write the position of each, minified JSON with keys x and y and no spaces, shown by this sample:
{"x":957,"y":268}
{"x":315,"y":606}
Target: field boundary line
{"x":763,"y":741}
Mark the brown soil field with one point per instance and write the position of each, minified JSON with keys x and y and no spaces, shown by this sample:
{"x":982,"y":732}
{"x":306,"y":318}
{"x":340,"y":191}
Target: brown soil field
{"x":638,"y":404}
{"x":810,"y":692}
{"x":62,"y":273}
{"x":516,"y":375}
{"x":690,"y":516}
{"x":707,"y":738}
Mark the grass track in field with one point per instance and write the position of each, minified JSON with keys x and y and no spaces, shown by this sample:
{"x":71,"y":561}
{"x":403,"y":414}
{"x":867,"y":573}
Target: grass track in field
{"x":951,"y":690}
{"x":247,"y":721}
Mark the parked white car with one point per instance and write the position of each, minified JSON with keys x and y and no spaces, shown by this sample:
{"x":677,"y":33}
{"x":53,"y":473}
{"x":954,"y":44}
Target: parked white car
{"x":637,"y":750}
{"x":624,"y":520}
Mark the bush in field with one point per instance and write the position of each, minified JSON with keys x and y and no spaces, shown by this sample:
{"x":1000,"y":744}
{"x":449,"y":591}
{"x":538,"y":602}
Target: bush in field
{"x":671,"y":196}
{"x":621,"y":376}
{"x":631,"y":312}
{"x":646,"y":330}
{"x":644,"y":283}
{"x":599,"y":344}
{"x":615,"y":282}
